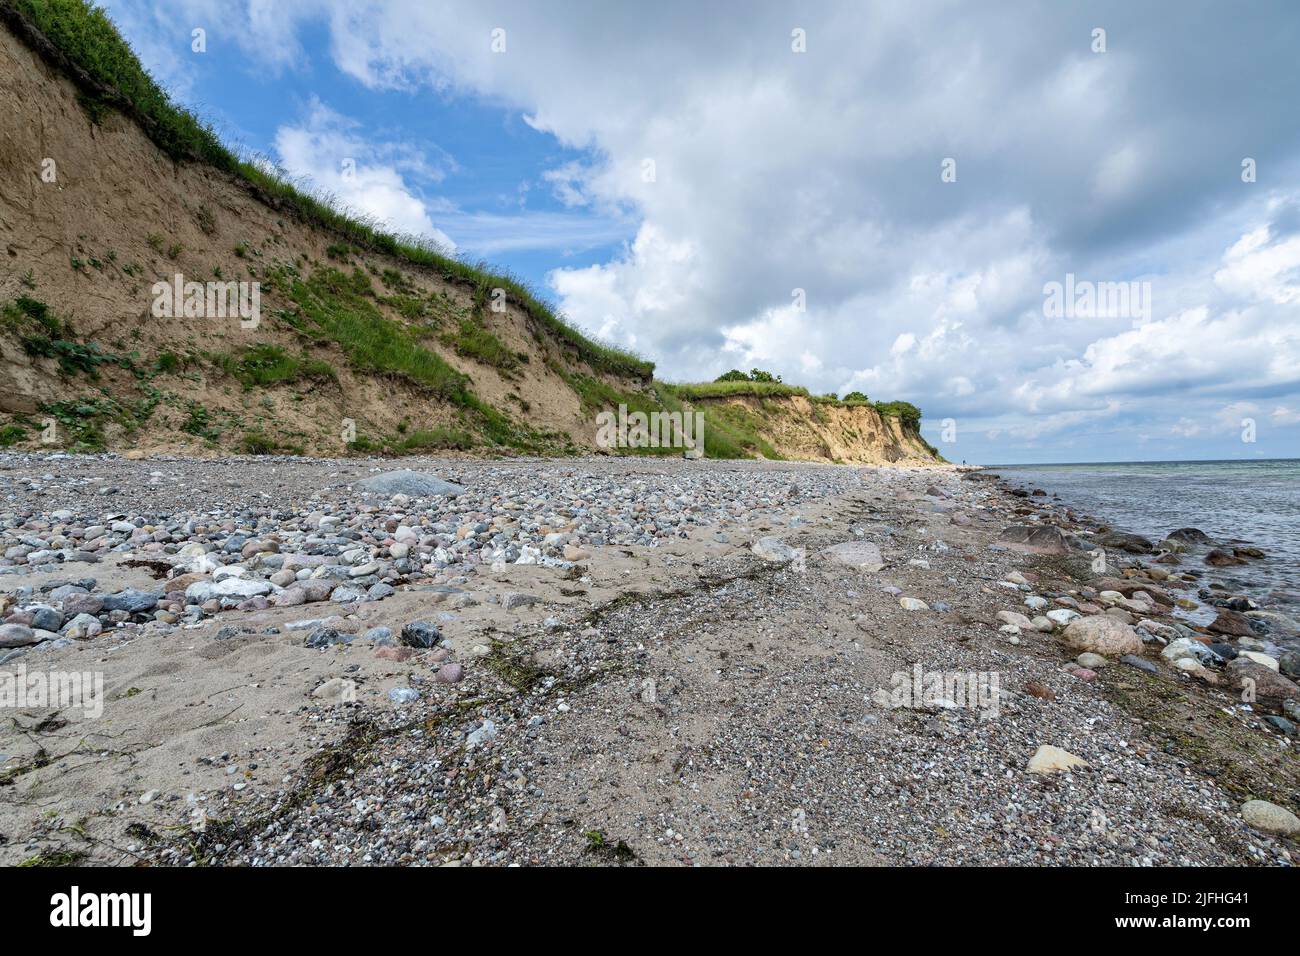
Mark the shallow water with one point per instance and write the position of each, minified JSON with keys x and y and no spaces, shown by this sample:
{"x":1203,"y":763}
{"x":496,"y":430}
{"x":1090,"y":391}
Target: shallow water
{"x":1238,"y":501}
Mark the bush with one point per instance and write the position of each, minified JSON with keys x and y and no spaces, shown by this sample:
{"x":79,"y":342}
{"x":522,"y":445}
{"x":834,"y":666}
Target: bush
{"x":907,"y":413}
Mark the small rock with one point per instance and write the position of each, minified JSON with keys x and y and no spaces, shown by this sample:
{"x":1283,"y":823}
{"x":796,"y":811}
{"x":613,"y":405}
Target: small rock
{"x":449,"y":673}
{"x":1049,"y":759}
{"x":421,"y":634}
{"x":1132,"y":660}
{"x":516,"y":599}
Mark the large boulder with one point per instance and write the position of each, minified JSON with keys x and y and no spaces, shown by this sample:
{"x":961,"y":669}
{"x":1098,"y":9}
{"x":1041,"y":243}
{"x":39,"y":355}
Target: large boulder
{"x":1103,"y":635}
{"x":417,"y":484}
{"x":1270,"y":818}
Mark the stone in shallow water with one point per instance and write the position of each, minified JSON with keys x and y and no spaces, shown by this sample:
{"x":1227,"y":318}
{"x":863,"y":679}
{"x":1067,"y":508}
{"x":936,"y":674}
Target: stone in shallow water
{"x":415,"y":483}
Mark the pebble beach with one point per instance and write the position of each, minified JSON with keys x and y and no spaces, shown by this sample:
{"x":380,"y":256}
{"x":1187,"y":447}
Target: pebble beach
{"x":626,"y":661}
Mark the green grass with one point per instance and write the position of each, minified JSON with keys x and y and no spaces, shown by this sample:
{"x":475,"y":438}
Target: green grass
{"x":704,"y":390}
{"x":261,"y":366}
{"x":439,"y":438}
{"x":198,"y":422}
{"x":88,"y":38}
{"x":11,"y":435}
{"x":905,"y":412}
{"x":329,"y":304}
{"x":257,"y":442}
{"x":168,"y":363}
{"x":472,"y":340}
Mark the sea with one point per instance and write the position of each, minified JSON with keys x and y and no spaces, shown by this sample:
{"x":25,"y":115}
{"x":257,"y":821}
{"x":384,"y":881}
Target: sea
{"x":1235,"y":502}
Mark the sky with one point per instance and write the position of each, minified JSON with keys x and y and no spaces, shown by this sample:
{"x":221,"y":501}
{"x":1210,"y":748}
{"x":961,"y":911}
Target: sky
{"x":1065,"y":231}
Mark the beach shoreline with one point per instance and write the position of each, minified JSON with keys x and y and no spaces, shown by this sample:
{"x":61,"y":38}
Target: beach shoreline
{"x":688,"y":670}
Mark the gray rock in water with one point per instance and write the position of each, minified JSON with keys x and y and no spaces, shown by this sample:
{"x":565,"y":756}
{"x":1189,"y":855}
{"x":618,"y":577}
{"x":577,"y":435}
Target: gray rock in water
{"x":1124,"y":541}
{"x":407,"y":482}
{"x":1289,"y":664}
{"x":1189,"y":536}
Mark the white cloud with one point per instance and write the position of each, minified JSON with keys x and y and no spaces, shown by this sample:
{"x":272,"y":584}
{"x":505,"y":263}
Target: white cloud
{"x":328,"y":149}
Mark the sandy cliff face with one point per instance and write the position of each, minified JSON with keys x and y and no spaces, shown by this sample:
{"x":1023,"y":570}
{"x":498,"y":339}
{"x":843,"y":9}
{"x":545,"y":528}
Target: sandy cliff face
{"x":92,"y":215}
{"x":800,"y":429}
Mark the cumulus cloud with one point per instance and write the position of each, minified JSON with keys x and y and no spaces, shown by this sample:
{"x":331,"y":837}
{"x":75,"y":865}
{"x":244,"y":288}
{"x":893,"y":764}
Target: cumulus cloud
{"x":371,"y":178}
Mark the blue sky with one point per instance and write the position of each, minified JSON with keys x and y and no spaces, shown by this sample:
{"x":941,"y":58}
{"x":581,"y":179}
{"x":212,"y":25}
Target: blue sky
{"x":717,"y":190}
